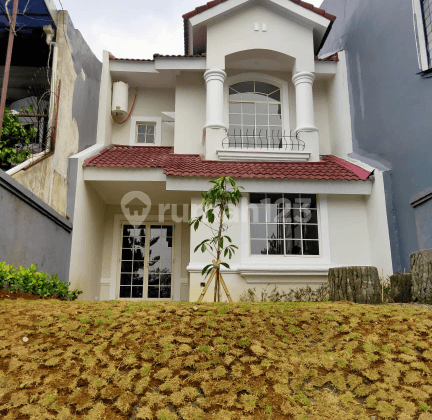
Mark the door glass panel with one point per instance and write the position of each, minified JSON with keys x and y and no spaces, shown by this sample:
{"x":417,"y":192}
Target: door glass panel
{"x":132,"y":264}
{"x":160,"y":257}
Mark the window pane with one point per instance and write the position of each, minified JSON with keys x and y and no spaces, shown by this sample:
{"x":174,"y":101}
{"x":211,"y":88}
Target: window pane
{"x":262,"y":120}
{"x":165,"y":292}
{"x":141,"y":138}
{"x":150,"y":129}
{"x":248,"y":108}
{"x":165,"y":279}
{"x":149,"y":138}
{"x":137,"y":291}
{"x":127,"y":254}
{"x":128,"y":230}
{"x":126,"y":266}
{"x":275,"y":96}
{"x":165,"y":266}
{"x":258,"y":231}
{"x":310,"y":231}
{"x":243,"y":87}
{"x":262,"y":108}
{"x":274,"y":109}
{"x":153,"y":279}
{"x":253,"y":97}
{"x":125,"y":279}
{"x":294,"y":199}
{"x":138,"y":266}
{"x":141,"y":128}
{"x":309,"y":216}
{"x":138,"y":253}
{"x":308,"y":200}
{"x":257,"y":213}
{"x":249,"y":120}
{"x":275,"y":247}
{"x":292,"y":231}
{"x":275,"y":120}
{"x":293,"y":247}
{"x":275,"y":231}
{"x":167,"y":231}
{"x":234,"y":108}
{"x":154,"y":266}
{"x":234,"y":129}
{"x":153,"y":292}
{"x":235,"y":96}
{"x":125,"y":291}
{"x":258,"y":247}
{"x":265,"y":88}
{"x":138,"y":279}
{"x":257,"y":198}
{"x":235,"y":119}
{"x":310,"y":247}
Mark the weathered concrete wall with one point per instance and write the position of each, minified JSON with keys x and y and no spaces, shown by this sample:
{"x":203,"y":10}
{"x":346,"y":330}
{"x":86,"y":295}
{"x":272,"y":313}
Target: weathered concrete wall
{"x":31,"y":232}
{"x":390,"y":106}
{"x":79,"y":72}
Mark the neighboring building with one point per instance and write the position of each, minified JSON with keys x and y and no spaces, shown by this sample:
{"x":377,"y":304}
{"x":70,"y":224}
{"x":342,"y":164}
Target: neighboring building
{"x":249,"y":78}
{"x":62,"y":82}
{"x":54,"y":70}
{"x":388,"y":47}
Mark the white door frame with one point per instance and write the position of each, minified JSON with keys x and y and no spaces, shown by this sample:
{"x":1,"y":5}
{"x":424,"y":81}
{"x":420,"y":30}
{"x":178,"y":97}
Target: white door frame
{"x":119,"y":221}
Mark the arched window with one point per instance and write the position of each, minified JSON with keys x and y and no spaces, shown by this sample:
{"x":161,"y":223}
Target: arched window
{"x":255,"y":114}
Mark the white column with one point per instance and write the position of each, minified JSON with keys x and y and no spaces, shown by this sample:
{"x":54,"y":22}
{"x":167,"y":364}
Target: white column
{"x":215,"y":79}
{"x":303,"y":82}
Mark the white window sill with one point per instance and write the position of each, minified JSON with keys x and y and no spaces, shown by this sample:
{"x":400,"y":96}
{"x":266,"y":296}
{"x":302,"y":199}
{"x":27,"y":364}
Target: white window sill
{"x":260,"y":155}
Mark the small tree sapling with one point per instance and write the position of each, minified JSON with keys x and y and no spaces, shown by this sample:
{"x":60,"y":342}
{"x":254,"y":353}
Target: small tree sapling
{"x":215,"y":204}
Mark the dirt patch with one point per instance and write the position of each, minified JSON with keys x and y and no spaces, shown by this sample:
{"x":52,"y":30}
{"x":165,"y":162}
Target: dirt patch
{"x":167,"y":361}
{"x":5,"y":295}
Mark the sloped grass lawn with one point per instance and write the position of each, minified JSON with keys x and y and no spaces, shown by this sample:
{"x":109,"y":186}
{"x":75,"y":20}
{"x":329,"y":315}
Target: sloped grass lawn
{"x":127,"y":360}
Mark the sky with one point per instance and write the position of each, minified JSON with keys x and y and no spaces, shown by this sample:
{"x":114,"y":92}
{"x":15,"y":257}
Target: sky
{"x":133,"y":28}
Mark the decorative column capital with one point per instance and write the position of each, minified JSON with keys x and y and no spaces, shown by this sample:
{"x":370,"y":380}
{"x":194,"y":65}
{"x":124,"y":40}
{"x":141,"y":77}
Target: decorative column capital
{"x":303,"y":77}
{"x":215,"y":75}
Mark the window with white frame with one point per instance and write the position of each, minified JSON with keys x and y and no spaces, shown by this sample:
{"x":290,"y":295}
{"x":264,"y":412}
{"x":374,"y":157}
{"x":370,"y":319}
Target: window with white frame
{"x":145,"y":133}
{"x":426,"y":6}
{"x":284,"y":224}
{"x":255,"y":114}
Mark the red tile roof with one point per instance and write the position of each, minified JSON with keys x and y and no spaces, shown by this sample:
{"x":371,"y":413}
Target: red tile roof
{"x":119,"y":156}
{"x":214,"y":3}
{"x":333,"y":57}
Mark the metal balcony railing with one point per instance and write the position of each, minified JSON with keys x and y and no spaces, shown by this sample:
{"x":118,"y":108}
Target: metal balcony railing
{"x":263,"y":139}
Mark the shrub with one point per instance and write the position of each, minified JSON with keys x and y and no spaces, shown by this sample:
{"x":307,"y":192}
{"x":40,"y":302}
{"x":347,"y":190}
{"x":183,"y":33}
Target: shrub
{"x":29,"y":280}
{"x":304,"y":294}
{"x":15,"y":139}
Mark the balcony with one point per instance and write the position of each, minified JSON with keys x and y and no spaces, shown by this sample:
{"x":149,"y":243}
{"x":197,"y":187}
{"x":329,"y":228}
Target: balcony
{"x":263,"y":145}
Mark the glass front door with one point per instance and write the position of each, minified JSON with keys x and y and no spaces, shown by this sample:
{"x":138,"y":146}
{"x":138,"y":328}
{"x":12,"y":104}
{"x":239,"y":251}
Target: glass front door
{"x":146,"y":262}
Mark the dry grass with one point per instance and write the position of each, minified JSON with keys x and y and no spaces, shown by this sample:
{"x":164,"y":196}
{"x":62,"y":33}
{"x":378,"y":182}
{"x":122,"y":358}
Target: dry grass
{"x":128,"y":360}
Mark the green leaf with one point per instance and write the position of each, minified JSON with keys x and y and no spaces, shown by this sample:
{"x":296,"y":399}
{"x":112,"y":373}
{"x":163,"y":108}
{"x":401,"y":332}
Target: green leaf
{"x":204,"y":270}
{"x":225,"y":264}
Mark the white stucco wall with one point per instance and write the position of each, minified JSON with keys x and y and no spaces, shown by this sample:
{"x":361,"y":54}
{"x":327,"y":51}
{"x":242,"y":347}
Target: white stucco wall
{"x":349,"y":233}
{"x":87,"y":235}
{"x":236,"y":33}
{"x":339,"y":115}
{"x":190,"y":108}
{"x":150,"y":102}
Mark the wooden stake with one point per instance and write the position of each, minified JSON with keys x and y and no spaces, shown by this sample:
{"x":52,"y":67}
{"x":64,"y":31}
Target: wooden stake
{"x":225,"y":288}
{"x":207,"y":285}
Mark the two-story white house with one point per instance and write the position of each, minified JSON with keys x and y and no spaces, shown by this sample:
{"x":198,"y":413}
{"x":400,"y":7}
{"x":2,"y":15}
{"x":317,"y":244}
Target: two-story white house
{"x":250,"y":100}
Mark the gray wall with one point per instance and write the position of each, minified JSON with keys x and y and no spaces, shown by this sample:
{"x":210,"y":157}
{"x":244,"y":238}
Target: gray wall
{"x":391,"y":107}
{"x":86,"y":91}
{"x":30,"y":231}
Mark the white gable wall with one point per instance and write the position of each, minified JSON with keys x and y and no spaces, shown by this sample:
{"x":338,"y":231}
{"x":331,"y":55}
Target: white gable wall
{"x":237,"y":33}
